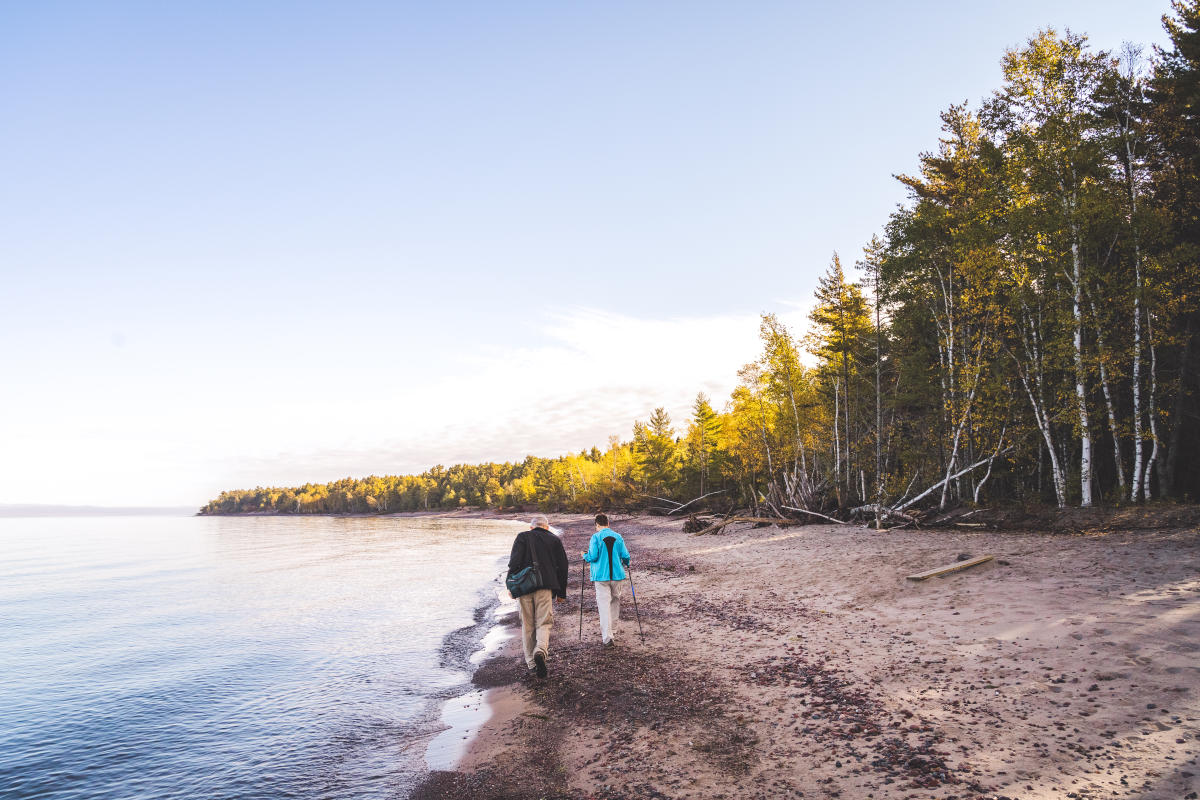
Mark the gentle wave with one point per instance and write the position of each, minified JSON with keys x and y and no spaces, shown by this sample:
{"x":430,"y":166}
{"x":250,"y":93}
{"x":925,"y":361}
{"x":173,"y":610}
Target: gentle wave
{"x":258,"y":657}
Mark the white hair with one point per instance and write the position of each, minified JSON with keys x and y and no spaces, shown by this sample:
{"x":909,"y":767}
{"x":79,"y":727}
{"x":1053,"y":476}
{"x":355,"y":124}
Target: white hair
{"x":540,"y":521}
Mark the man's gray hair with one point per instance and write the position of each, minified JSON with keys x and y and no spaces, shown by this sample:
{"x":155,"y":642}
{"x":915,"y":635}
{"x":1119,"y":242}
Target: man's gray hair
{"x":540,"y":521}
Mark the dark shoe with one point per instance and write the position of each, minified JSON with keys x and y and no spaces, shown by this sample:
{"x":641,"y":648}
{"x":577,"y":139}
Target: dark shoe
{"x":539,"y":663}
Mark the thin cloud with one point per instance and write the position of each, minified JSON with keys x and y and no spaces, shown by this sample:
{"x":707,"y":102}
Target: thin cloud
{"x":591,"y":376}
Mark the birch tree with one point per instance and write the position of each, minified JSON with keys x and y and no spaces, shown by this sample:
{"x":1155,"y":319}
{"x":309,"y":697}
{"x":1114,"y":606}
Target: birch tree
{"x":955,"y":269}
{"x":1044,"y":109}
{"x":1122,"y":105}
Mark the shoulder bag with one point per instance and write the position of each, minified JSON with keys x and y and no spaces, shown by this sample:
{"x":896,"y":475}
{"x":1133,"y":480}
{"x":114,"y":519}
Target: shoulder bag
{"x":527,"y":580}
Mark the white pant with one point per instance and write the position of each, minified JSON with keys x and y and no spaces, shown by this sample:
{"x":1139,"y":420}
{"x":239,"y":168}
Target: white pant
{"x":608,"y":602}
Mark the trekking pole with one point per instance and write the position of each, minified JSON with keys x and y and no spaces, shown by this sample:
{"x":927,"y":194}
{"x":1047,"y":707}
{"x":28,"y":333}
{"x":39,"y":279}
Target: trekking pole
{"x":629,"y":575}
{"x":582,"y":571}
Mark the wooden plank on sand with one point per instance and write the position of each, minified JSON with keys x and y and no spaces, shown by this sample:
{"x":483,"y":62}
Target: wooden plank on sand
{"x":946,"y":570}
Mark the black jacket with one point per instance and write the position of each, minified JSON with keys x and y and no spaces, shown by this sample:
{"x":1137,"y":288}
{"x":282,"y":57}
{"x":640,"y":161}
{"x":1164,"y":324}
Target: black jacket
{"x":551,"y":558}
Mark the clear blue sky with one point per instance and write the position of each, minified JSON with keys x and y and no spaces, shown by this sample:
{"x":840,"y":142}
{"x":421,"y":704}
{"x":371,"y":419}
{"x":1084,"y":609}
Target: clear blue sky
{"x":267,"y":242}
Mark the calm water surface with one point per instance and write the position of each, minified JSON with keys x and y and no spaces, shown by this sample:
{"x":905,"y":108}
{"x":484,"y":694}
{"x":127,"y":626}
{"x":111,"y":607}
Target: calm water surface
{"x":233,"y":657}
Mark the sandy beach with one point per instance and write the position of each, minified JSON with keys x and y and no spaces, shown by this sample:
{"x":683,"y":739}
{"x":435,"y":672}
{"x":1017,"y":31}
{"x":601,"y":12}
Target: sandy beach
{"x":800,"y":662}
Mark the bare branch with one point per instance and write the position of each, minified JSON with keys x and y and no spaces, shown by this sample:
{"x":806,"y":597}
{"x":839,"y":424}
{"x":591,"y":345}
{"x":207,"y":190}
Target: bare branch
{"x":958,"y":474}
{"x":815,"y":514}
{"x":689,"y":502}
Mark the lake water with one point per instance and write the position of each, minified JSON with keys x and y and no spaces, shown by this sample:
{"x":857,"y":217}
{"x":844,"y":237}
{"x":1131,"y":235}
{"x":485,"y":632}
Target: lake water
{"x":234,"y":657}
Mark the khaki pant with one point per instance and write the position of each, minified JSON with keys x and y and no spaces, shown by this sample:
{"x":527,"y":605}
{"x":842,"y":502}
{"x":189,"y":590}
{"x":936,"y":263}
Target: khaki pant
{"x":537,"y":615}
{"x":608,"y":603}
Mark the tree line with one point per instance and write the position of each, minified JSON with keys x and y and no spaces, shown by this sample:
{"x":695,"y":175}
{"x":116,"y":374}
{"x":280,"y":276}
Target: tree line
{"x":1024,"y":330}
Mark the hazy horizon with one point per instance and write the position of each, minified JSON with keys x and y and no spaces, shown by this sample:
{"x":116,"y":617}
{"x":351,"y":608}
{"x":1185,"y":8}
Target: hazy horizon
{"x":52,"y":510}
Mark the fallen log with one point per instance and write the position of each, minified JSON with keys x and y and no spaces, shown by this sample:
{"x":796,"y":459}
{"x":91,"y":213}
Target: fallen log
{"x":946,"y":570}
{"x":885,"y":511}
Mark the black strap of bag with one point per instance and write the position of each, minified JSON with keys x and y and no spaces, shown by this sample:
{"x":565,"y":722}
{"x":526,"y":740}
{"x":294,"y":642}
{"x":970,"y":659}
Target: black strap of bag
{"x":529,"y":579}
{"x":533,"y":553}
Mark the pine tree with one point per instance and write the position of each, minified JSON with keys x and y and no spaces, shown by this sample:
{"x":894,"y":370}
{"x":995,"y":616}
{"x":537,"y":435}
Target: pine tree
{"x":840,"y":338}
{"x":702,"y":442}
{"x":655,"y":453}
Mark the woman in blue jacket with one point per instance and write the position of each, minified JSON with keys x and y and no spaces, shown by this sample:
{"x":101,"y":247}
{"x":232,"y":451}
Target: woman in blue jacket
{"x":609,"y":557}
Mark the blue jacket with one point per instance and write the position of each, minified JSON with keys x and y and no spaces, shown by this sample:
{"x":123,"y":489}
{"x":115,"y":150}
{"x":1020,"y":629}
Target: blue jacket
{"x":607,"y":564}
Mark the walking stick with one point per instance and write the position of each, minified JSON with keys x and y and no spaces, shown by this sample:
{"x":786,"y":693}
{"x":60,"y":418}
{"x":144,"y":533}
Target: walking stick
{"x":582,"y":571}
{"x":629,"y":574}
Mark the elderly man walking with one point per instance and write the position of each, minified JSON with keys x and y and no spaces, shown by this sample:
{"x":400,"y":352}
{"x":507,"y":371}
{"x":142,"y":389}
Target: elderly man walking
{"x":541,"y":548}
{"x":608,"y":556}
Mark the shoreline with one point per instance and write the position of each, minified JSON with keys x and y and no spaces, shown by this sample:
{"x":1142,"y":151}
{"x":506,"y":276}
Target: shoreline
{"x":1045,"y":518}
{"x":493,"y":638}
{"x":464,"y":513}
{"x":491,"y":695}
{"x":799,"y":661}
{"x":466,"y":711}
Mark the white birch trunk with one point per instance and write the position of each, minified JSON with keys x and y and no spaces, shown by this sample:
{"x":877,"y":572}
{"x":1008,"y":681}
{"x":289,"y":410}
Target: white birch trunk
{"x":1136,"y":483}
{"x":1034,"y":382}
{"x":1137,"y":330}
{"x":1118,"y":459}
{"x":1085,"y":434}
{"x":837,"y":443}
{"x":1043,"y":423}
{"x":878,"y":409}
{"x":1153,"y":410}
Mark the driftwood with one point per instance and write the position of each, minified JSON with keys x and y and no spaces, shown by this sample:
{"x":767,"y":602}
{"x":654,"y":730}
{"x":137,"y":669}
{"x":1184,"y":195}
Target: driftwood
{"x":898,"y":511}
{"x":946,"y":570}
{"x":885,"y":512}
{"x":716,"y":526}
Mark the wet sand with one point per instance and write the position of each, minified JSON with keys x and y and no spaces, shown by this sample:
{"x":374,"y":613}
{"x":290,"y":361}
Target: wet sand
{"x":800,"y":662}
